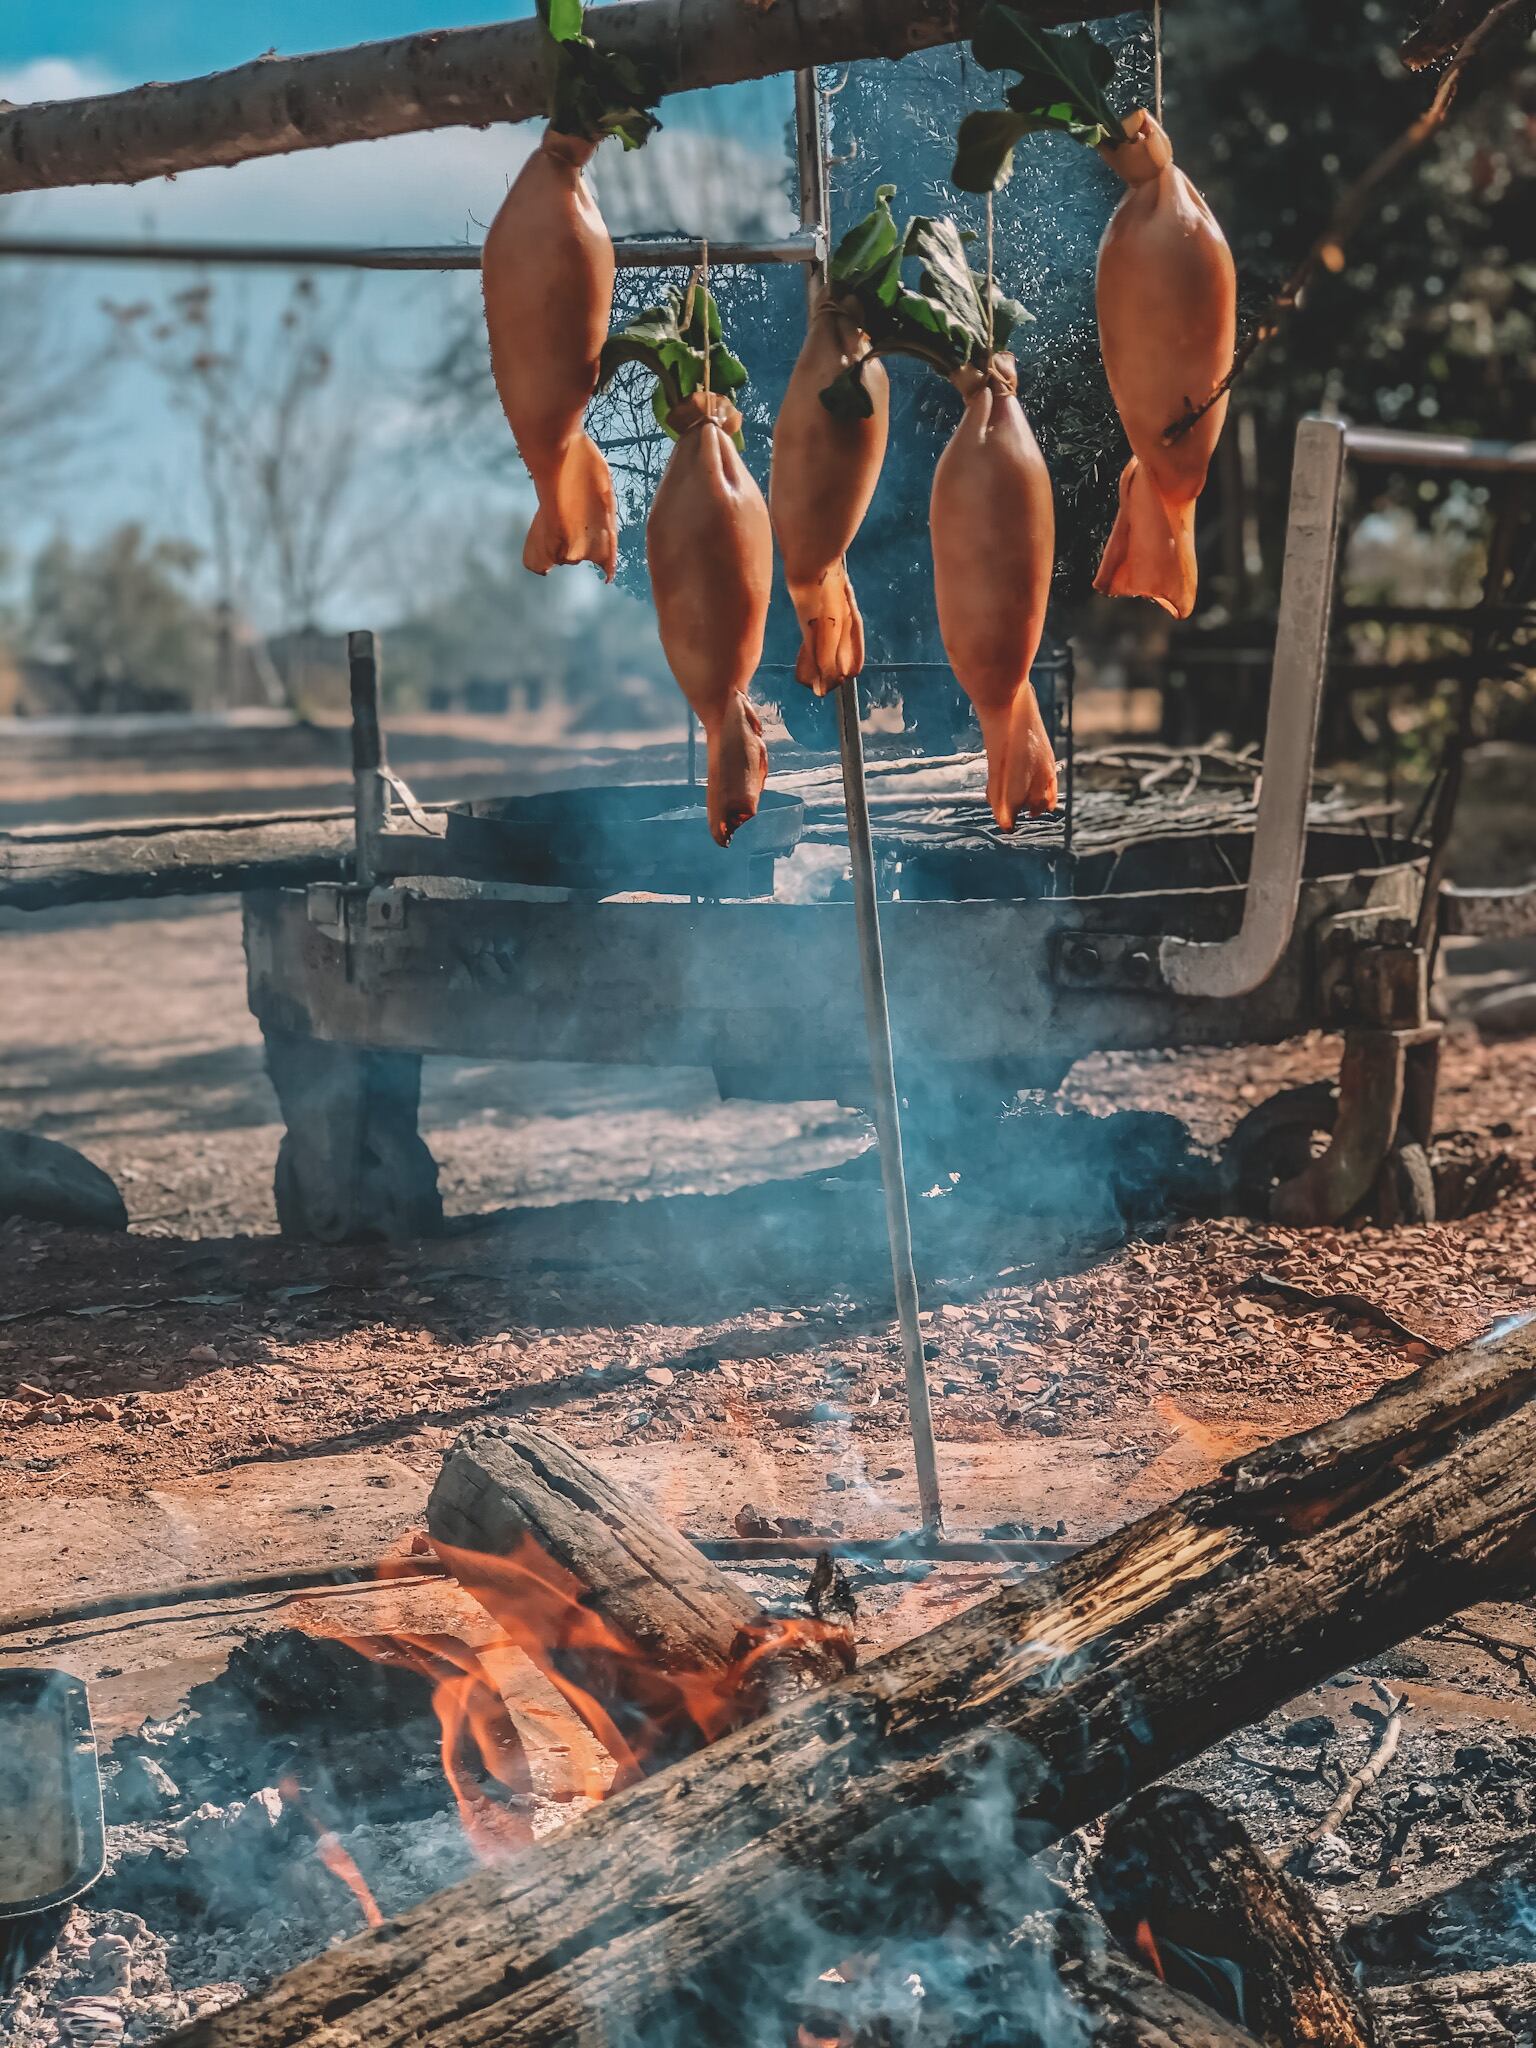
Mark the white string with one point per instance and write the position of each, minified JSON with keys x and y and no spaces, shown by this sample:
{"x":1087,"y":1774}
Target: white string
{"x":1157,"y":61}
{"x":708,"y":347}
{"x":989,"y":279}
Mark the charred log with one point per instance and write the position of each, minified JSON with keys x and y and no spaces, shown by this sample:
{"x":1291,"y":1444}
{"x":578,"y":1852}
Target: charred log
{"x":1184,"y":1886}
{"x":1473,"y":2009}
{"x":856,"y":1810}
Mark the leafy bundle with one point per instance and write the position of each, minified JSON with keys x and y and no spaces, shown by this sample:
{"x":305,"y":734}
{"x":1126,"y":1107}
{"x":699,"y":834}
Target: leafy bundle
{"x":943,"y":320}
{"x":1061,"y":84}
{"x":597,"y":93}
{"x":672,"y":341}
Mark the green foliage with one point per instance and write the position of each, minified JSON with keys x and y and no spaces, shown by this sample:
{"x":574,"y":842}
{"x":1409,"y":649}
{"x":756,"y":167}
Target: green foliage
{"x":942,"y":319}
{"x":1062,"y":77}
{"x":597,"y":93}
{"x":671,"y":340}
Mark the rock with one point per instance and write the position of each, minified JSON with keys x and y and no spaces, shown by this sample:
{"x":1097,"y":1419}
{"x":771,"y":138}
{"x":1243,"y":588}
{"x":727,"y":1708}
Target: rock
{"x":1310,"y":1728}
{"x":47,"y":1182}
{"x":659,"y":1375}
{"x":261,"y":1812}
{"x":1506,"y":1012}
{"x":203,"y":1354}
{"x":142,"y":1790}
{"x":829,"y":1411}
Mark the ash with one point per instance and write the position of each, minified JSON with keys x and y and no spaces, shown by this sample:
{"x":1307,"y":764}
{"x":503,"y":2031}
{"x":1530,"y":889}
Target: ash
{"x":215,"y":1881}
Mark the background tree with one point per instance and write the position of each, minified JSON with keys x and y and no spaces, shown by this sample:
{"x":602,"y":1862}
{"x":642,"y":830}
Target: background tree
{"x":287,"y":453}
{"x":118,"y":624}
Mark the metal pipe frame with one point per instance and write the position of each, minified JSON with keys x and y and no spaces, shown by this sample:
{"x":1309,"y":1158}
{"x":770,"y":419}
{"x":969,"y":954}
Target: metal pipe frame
{"x":632,"y":253}
{"x":1236,"y":966}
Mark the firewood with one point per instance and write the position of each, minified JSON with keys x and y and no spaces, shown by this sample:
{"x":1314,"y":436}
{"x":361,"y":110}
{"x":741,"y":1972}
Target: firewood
{"x":1183,"y":1885}
{"x":1473,"y":2009}
{"x":626,"y":1606}
{"x":692,"y":1895}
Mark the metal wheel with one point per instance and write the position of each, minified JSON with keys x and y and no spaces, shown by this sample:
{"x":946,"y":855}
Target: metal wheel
{"x":1275,"y":1141}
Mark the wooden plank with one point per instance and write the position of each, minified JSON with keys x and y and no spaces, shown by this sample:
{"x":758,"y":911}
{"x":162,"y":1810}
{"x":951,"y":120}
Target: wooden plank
{"x":872,"y":1803}
{"x":41,"y":871}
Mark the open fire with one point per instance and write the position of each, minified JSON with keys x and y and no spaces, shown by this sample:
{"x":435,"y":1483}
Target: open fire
{"x":333,"y":1778}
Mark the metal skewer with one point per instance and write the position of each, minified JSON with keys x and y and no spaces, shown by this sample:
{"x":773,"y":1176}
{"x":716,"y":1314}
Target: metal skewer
{"x":812,"y":167}
{"x":886,"y":1107}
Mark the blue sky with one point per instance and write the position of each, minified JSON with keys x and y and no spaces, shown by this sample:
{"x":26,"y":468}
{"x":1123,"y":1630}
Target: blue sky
{"x":143,"y":39}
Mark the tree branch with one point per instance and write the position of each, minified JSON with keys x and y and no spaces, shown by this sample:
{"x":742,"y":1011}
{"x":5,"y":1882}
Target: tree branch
{"x":1354,"y":203}
{"x":448,"y":78}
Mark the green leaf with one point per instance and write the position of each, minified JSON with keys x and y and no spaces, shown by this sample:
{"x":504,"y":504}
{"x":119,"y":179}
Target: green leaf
{"x":673,"y":353}
{"x":867,"y":249}
{"x":1062,"y":77}
{"x":597,"y":93}
{"x":940,"y":316}
{"x":563,"y":19}
{"x":984,"y":149}
{"x":845,"y":397}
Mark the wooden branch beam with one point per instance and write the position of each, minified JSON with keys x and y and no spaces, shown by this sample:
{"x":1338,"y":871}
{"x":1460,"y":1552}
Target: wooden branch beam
{"x":450,"y":78}
{"x":1489,"y":2008}
{"x":864,"y":1806}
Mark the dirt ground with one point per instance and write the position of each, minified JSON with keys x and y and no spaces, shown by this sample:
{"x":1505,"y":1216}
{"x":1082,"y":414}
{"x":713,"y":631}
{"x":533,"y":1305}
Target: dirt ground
{"x":689,"y":1289}
{"x":201,"y":1339}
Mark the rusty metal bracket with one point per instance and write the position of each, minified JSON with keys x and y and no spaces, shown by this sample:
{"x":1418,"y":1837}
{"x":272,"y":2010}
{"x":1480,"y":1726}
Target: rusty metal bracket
{"x":1107,"y":960}
{"x":1371,"y":972}
{"x":1371,"y":1078}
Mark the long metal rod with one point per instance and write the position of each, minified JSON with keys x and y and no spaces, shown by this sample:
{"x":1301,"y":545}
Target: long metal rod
{"x":630,"y":253}
{"x":886,"y":1106}
{"x":811,"y":165}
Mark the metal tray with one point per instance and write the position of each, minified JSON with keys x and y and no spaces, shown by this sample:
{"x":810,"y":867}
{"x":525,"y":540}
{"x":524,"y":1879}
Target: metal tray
{"x":52,"y":1843}
{"x":643,"y":835}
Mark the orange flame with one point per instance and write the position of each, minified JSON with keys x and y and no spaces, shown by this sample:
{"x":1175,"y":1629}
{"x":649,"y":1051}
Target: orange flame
{"x":475,"y":1729}
{"x":641,"y":1707}
{"x":642,"y":1711}
{"x":328,"y":1847}
{"x":1148,"y":1950}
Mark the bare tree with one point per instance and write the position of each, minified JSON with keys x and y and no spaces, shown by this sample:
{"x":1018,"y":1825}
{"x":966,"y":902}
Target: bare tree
{"x":282,"y":452}
{"x":50,"y":382}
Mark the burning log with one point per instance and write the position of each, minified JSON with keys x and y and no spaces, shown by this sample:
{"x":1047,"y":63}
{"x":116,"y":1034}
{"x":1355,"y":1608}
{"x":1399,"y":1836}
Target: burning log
{"x":860,"y":1810}
{"x":649,"y":1641}
{"x":1183,"y":1885}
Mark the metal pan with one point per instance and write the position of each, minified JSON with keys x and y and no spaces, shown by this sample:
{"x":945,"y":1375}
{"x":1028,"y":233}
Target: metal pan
{"x":52,"y":1842}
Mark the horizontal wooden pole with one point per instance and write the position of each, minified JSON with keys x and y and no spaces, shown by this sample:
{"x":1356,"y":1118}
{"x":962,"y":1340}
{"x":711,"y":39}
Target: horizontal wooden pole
{"x":868,"y":1808}
{"x":451,"y":78}
{"x":42,"y":871}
